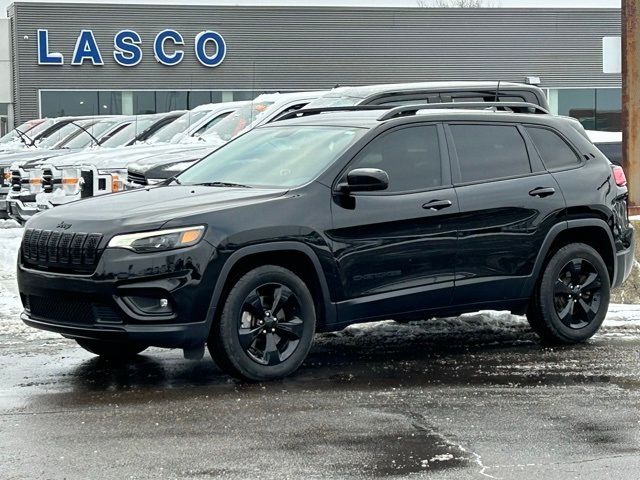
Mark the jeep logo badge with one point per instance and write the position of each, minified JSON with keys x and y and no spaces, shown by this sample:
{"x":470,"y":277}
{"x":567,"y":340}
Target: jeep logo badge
{"x":66,"y":226}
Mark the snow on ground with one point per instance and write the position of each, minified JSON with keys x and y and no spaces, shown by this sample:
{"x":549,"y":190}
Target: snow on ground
{"x":621,"y":319}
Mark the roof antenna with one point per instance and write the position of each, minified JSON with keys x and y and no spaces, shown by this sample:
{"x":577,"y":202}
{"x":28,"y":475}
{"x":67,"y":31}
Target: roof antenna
{"x":496,"y":98}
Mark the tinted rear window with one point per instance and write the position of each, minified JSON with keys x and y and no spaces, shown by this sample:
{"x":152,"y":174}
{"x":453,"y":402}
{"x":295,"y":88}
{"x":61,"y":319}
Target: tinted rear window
{"x":555,"y":152}
{"x":488,"y":152}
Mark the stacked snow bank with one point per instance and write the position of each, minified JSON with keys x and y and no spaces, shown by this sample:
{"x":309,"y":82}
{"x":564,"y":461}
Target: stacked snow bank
{"x":9,"y":244}
{"x":10,"y":304}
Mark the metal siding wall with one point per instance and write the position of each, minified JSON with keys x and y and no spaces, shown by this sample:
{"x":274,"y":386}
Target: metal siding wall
{"x":270,"y":48}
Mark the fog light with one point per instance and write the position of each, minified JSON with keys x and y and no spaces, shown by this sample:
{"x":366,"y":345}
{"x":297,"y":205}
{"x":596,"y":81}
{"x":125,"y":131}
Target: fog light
{"x":150,"y":305}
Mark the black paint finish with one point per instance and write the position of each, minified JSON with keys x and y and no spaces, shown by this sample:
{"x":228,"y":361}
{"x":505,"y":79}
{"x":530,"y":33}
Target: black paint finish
{"x":367,"y":255}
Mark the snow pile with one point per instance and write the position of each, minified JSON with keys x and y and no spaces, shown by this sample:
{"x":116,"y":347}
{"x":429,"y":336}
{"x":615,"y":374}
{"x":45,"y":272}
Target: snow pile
{"x":10,"y":304}
{"x":9,"y":244}
{"x":8,"y":224}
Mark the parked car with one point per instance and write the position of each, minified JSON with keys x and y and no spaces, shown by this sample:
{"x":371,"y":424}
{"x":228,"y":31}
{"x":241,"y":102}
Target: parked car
{"x":106,"y":172}
{"x":431,"y":92}
{"x":38,"y":175}
{"x":23,"y":166}
{"x":271,"y":107}
{"x":17,"y":138}
{"x":192,"y":124}
{"x":263,"y":109}
{"x":609,"y":143}
{"x":314,"y":223}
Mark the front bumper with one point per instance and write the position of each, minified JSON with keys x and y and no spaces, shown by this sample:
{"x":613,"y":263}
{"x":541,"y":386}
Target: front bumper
{"x":98,"y":306}
{"x":21,"y":209}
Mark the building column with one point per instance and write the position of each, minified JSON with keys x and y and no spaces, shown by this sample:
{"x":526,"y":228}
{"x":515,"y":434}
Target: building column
{"x":127,"y":103}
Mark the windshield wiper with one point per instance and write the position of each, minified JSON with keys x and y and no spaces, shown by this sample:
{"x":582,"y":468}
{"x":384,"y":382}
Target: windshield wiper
{"x":170,"y":180}
{"x":86,"y":131}
{"x":222,"y":184}
{"x":23,"y":136}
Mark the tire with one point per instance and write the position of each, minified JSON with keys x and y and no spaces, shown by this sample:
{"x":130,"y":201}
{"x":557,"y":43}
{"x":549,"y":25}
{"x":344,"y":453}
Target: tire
{"x":247,"y":349}
{"x":111,"y":350}
{"x":575,"y":274}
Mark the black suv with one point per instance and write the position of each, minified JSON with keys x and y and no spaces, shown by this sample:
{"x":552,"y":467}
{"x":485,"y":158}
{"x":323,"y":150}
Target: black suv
{"x":328,"y":219}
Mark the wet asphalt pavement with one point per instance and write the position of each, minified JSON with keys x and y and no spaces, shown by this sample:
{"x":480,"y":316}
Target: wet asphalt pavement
{"x":394,"y":401}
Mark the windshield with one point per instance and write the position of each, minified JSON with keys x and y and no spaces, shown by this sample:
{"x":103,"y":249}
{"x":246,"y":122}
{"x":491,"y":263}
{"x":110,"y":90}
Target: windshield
{"x":83,"y":139}
{"x":175,"y":130}
{"x":59,"y":137}
{"x":335,"y":100}
{"x":284,"y":156}
{"x":14,"y":136}
{"x":234,"y":123}
{"x":130,"y":132}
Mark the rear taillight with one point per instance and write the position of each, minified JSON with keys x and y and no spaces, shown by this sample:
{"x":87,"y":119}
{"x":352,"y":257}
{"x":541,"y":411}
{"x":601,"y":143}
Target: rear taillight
{"x":619,"y":176}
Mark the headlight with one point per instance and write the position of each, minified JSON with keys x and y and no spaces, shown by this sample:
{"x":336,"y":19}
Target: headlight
{"x":158,"y":241}
{"x":6,"y":177}
{"x":35,"y":181}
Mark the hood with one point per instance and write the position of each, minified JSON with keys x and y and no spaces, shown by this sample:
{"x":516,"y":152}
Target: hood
{"x":147,"y":208}
{"x":114,"y":158}
{"x":32,"y":158}
{"x":188,"y":154}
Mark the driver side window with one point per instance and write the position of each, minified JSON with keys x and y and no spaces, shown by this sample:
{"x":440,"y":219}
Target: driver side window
{"x":410,"y":155}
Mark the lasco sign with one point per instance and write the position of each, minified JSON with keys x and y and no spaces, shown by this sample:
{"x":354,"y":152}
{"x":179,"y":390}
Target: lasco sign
{"x":210,"y":48}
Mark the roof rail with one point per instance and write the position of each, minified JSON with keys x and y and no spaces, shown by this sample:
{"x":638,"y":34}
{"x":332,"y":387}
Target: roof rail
{"x":517,"y":107}
{"x":303,"y":112}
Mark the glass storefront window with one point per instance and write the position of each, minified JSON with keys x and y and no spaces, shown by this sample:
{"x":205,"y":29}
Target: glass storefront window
{"x":133,"y":102}
{"x":609,"y":109}
{"x":596,"y":108}
{"x":61,"y":103}
{"x":197,"y":98}
{"x":110,"y":103}
{"x":144,"y":102}
{"x":169,"y":101}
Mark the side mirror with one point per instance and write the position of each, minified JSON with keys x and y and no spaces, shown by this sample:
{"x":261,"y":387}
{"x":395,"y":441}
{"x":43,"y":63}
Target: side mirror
{"x":365,"y":180}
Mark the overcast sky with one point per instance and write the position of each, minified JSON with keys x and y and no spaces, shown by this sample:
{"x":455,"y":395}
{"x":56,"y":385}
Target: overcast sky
{"x":358,"y":3}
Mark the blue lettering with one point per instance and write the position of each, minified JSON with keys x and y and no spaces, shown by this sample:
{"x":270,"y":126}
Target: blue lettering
{"x":86,"y":49}
{"x":201,"y":51}
{"x":44,"y":56}
{"x":159,"y":51}
{"x":126,"y":48}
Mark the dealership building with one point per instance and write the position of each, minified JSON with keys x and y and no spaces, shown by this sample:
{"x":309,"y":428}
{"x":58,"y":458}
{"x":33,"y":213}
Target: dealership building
{"x":72,"y":58}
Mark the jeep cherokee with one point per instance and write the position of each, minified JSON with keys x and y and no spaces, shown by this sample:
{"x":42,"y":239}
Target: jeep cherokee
{"x":321,"y":221}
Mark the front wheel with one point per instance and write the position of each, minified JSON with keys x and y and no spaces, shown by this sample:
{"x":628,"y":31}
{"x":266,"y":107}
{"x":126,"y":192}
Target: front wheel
{"x":266,"y":327}
{"x":112,"y":350}
{"x":572,"y":297}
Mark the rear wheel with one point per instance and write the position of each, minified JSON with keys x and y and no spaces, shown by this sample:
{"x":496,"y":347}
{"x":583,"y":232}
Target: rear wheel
{"x":572,"y":297}
{"x":266,"y":327}
{"x":116,"y":351}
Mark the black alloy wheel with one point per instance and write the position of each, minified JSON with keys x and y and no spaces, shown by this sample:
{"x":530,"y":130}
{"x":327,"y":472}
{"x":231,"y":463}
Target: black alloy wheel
{"x":577,"y":293}
{"x":571,"y":298}
{"x":270,"y":326}
{"x":266,"y":326}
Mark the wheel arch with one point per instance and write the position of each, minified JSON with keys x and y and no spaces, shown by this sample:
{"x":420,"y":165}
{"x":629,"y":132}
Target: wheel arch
{"x":590,"y":231}
{"x":296,"y":256}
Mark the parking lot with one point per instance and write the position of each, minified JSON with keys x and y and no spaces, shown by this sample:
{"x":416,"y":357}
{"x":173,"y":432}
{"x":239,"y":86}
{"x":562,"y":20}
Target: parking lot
{"x":469,"y":397}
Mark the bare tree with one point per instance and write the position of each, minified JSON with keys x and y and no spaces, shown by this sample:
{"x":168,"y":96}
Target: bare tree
{"x":457,"y":3}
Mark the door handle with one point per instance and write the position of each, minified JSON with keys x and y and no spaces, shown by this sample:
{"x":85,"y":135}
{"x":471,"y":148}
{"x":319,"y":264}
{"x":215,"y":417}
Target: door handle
{"x":542,"y":192}
{"x":437,"y":205}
